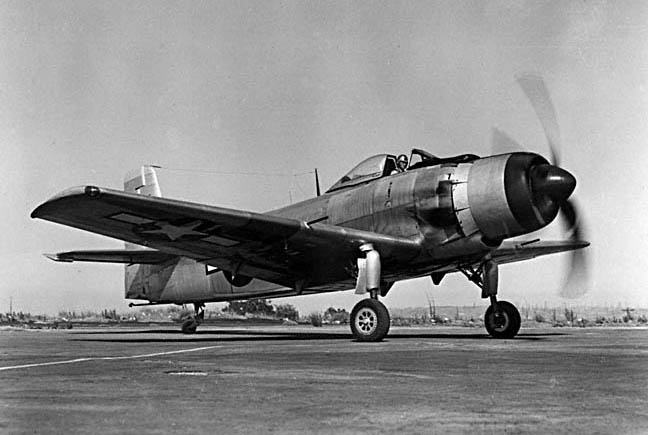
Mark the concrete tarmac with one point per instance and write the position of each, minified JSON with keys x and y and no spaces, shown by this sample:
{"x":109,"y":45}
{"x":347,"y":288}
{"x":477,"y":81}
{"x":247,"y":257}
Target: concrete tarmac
{"x":318,"y":380}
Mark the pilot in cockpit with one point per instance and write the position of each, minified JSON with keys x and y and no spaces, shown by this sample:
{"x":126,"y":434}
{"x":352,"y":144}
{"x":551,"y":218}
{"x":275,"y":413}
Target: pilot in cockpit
{"x":401,"y":164}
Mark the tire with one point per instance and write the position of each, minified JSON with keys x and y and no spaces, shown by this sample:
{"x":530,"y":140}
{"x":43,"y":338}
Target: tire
{"x":189,"y":326}
{"x":369,"y":320}
{"x":506,"y":324}
{"x":237,"y":280}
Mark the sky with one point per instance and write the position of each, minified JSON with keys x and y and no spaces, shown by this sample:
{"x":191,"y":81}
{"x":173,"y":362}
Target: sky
{"x":270,"y":90}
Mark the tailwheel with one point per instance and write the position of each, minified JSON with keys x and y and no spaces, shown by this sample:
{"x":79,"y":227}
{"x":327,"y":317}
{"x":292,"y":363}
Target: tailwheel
{"x":369,"y":320}
{"x":503,"y":321}
{"x":190,"y":325}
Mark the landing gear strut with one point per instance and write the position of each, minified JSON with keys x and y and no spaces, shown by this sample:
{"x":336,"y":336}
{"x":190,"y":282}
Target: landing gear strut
{"x":369,"y":318}
{"x":502,"y":319}
{"x":190,"y":325}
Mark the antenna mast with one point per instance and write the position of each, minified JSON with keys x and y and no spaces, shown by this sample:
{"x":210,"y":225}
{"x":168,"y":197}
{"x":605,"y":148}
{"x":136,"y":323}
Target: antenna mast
{"x":317,"y":186}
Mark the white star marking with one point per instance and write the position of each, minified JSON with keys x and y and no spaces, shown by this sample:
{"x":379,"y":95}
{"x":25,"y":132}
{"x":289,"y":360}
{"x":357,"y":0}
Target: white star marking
{"x":174,"y":232}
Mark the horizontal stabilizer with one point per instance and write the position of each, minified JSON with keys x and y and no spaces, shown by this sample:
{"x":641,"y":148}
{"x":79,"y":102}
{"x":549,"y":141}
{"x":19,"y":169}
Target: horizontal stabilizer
{"x":123,"y":256}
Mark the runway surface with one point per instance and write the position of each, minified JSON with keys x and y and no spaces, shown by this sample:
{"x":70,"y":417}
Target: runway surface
{"x":317,"y":380}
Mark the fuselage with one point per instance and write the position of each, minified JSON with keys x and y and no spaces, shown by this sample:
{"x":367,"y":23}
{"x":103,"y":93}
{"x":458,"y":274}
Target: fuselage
{"x":458,"y":210}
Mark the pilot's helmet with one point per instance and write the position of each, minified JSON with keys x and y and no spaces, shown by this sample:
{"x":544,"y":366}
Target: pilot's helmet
{"x":401,"y":161}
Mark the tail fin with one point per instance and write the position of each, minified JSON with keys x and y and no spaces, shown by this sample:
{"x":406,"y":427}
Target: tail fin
{"x":143,"y":181}
{"x":137,"y":276}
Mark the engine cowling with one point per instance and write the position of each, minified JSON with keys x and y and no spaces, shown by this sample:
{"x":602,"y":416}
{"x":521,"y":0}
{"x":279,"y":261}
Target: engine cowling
{"x":511,"y":194}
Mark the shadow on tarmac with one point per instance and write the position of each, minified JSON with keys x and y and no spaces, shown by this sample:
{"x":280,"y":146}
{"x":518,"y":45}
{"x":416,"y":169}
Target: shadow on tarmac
{"x":247,"y":335}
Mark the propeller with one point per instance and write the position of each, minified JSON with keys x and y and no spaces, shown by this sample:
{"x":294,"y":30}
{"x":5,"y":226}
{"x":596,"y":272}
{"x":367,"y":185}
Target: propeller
{"x":536,"y":91}
{"x":557,"y":181}
{"x":502,"y":143}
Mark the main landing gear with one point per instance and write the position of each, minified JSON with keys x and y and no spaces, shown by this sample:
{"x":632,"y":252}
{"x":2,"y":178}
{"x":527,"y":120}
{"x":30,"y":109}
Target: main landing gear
{"x":369,"y":318}
{"x":502,"y":319}
{"x":190,"y":325}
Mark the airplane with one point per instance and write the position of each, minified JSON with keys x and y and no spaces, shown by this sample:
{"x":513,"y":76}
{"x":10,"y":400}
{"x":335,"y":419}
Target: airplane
{"x":375,"y":226}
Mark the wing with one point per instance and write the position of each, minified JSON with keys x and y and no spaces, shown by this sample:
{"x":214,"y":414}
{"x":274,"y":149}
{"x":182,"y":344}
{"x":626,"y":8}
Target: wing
{"x":276,"y":249}
{"x":510,"y":252}
{"x":126,"y":256}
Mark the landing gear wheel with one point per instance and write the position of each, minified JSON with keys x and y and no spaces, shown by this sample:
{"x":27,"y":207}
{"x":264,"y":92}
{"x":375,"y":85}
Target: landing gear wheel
{"x":503,"y":322}
{"x":189,"y":326}
{"x":369,"y":320}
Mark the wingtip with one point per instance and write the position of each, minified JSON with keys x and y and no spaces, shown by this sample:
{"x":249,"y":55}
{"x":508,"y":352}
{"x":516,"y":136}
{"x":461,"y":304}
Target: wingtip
{"x":41,"y":210}
{"x":53,"y":257}
{"x":58,"y":258}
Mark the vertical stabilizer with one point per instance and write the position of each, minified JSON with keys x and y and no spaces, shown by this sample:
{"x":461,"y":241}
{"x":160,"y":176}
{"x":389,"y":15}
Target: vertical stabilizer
{"x":138,"y":277}
{"x":143,"y":181}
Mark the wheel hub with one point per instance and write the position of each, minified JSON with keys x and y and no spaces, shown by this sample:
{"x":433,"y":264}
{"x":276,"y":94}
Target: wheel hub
{"x":500,"y":320}
{"x":366,"y":321}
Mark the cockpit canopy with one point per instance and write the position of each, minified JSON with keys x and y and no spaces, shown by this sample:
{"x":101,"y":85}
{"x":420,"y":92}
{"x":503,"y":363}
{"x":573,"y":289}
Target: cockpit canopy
{"x":382,"y":165}
{"x":369,"y":169}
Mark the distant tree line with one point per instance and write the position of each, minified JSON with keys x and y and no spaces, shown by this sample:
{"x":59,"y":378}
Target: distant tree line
{"x":262,"y":307}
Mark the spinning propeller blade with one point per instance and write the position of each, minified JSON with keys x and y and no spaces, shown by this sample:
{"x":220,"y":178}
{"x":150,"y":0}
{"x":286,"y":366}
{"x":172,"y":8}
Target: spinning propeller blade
{"x":502,"y":143}
{"x":536,"y":91}
{"x":577,"y":280}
